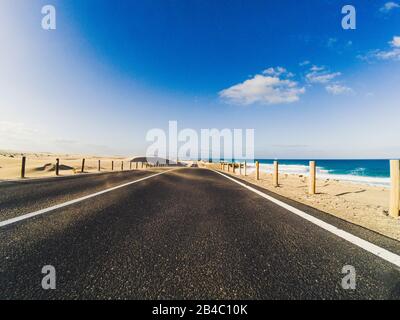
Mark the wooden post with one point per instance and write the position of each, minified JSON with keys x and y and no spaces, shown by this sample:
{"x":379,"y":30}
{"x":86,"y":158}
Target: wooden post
{"x":312,"y":178}
{"x":83,"y":165}
{"x":122,"y":166}
{"x":112,"y":165}
{"x":99,"y":166}
{"x":57,"y":167}
{"x":257,"y":170}
{"x":23,"y":164}
{"x":137,"y":164}
{"x":142,"y":165}
{"x":233,"y":167}
{"x":130,"y":165}
{"x":228,"y":167}
{"x":276,"y":174}
{"x":245,"y":168}
{"x":395,"y":188}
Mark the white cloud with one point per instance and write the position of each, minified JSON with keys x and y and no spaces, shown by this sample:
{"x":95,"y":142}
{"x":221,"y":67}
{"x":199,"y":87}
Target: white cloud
{"x":331,"y":42}
{"x":270,"y":87}
{"x":321,"y":75}
{"x":276,"y":86}
{"x":275,"y":71}
{"x":323,"y":78}
{"x":389,"y":6}
{"x":316,"y":68}
{"x":395,"y":42}
{"x":278,"y":71}
{"x":390,"y":54}
{"x":338,"y":89}
{"x":304,"y":63}
{"x":21,"y":137}
{"x":16,"y":130}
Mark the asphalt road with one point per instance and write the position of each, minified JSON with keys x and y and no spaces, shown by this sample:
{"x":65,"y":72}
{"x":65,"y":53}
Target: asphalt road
{"x":186,"y":234}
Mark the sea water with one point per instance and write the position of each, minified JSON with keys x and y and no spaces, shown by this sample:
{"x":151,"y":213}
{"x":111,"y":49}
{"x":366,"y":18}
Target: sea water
{"x":372,"y":172}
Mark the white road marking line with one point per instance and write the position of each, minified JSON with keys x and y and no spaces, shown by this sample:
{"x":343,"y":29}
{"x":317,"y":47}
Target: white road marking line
{"x":68,"y":203}
{"x":368,"y":246}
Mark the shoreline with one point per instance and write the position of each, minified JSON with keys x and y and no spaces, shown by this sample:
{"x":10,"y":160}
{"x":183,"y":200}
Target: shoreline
{"x":357,"y":180}
{"x":326,"y":173}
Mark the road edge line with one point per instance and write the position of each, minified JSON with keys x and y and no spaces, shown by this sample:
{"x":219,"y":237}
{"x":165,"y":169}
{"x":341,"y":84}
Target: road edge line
{"x":361,"y":243}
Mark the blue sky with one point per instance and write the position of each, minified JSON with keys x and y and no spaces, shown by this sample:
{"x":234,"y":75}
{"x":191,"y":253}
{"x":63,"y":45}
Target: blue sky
{"x":112,"y":70}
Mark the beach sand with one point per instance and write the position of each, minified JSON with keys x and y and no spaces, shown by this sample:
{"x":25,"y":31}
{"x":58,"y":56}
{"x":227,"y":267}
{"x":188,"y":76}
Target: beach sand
{"x":43,"y":164}
{"x":364,"y":205}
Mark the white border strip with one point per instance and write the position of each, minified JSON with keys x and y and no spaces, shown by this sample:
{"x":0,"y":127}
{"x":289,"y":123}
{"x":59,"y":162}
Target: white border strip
{"x":68,"y":203}
{"x":367,"y":246}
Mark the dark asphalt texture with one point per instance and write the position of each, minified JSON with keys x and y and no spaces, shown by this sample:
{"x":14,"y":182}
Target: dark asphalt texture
{"x":19,"y":197}
{"x":187,"y":234}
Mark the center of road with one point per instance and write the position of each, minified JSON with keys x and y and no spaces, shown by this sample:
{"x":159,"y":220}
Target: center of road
{"x":68,"y":203}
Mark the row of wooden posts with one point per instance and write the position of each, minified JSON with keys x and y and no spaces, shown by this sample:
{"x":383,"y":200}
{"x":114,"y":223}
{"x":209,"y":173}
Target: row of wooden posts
{"x":394,"y":207}
{"x":275,"y":175}
{"x":57,"y":166}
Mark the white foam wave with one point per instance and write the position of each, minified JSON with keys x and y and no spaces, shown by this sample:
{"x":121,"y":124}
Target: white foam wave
{"x":372,"y":181}
{"x":323,"y":173}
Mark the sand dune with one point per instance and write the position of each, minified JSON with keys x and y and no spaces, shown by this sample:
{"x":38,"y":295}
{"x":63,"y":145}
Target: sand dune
{"x":43,"y":164}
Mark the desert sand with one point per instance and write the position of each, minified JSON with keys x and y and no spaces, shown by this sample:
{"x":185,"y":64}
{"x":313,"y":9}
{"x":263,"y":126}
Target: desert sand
{"x":364,"y":205}
{"x":43,"y":164}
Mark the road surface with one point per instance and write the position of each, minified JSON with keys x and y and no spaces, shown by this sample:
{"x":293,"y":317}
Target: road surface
{"x":189,"y":233}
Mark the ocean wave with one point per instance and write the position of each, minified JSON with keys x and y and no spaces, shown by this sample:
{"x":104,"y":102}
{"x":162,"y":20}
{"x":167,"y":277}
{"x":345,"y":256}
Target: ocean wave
{"x":358,"y":171}
{"x":372,"y":181}
{"x":357,"y":175}
{"x":293,"y":169}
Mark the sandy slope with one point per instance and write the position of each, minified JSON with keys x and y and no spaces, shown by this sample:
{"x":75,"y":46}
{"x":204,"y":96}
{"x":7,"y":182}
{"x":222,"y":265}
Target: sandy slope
{"x":43,"y":164}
